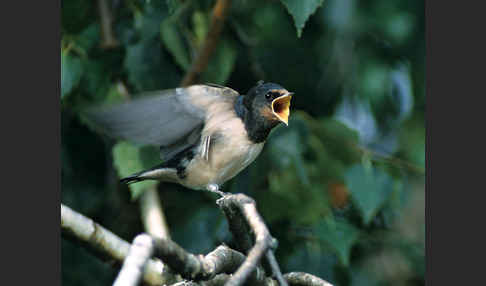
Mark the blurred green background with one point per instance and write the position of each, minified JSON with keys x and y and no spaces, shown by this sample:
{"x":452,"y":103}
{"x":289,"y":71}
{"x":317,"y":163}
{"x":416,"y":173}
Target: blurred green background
{"x":341,"y":188}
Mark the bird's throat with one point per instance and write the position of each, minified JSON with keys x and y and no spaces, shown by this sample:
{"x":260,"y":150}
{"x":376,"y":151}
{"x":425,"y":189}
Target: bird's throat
{"x":257,"y":127}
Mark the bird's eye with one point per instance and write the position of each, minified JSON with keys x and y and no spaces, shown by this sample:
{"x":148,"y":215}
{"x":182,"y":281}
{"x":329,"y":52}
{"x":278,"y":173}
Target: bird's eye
{"x":268,"y":95}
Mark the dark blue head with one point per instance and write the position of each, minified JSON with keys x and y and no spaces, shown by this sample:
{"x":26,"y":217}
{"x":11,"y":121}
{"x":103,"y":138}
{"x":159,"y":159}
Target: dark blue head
{"x":262,"y":108}
{"x":270,"y":101}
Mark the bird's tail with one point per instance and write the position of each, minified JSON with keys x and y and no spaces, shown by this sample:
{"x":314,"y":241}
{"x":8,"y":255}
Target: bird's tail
{"x":159,"y":172}
{"x":132,"y":178}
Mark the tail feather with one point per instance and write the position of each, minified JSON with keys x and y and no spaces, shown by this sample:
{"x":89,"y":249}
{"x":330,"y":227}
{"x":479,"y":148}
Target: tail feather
{"x":131,"y":179}
{"x":159,"y":172}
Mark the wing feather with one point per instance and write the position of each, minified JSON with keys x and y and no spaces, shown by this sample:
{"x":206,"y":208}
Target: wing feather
{"x":171,"y":119}
{"x":156,"y":119}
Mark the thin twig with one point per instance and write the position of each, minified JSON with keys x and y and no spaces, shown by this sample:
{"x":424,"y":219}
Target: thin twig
{"x":218,"y":17}
{"x":275,"y":269}
{"x":106,"y":245}
{"x":152,"y":214}
{"x":134,"y":264}
{"x":108,"y":39}
{"x":357,"y":151}
{"x":397,"y":162}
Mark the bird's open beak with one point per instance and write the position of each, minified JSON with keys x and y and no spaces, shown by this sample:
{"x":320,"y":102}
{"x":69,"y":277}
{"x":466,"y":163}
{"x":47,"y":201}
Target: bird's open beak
{"x":281,"y":107}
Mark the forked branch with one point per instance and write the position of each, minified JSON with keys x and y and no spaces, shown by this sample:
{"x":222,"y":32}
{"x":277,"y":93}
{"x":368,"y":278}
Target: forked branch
{"x":222,"y":266}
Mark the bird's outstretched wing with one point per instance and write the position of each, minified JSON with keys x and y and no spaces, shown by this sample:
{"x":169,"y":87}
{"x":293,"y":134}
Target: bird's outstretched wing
{"x":170,"y":118}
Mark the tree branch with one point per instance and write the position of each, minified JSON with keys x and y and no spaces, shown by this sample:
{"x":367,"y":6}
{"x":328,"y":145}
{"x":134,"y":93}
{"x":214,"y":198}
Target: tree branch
{"x":220,"y":280}
{"x":216,"y":268}
{"x":220,"y":11}
{"x":197,"y":267}
{"x":106,"y":245}
{"x":292,"y":278}
{"x":263,"y":240}
{"x":397,"y":162}
{"x":108,"y":39}
{"x":304,"y":279}
{"x":135,"y":262}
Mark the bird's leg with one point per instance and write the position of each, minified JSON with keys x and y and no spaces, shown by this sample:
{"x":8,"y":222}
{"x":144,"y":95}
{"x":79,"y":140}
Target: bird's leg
{"x":214,"y":188}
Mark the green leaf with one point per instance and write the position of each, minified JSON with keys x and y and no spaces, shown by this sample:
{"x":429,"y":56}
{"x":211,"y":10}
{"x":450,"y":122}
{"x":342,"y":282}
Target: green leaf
{"x":221,"y":63}
{"x":148,"y":21}
{"x":203,"y":223}
{"x":89,"y":37}
{"x":287,"y":148}
{"x":71,"y":71}
{"x":374,"y":79}
{"x":173,"y":41}
{"x":129,"y":159}
{"x":361,"y":276}
{"x":114,"y":95}
{"x":287,"y":194}
{"x":399,"y":26}
{"x":172,"y":5}
{"x":96,"y":80}
{"x":339,"y":236}
{"x":200,"y":22}
{"x":370,"y":188}
{"x":76,"y":15}
{"x":315,"y":258}
{"x":301,"y":11}
{"x":338,"y":139}
{"x":148,"y":68}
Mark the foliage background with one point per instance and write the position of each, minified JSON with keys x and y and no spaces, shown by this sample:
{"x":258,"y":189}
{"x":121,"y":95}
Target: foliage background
{"x":341,"y":188}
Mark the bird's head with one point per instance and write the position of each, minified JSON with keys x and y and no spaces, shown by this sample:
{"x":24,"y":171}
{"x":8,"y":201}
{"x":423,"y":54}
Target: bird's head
{"x":270,"y":101}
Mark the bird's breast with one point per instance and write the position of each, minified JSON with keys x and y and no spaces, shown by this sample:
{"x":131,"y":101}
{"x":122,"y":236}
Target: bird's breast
{"x":228,"y":162}
{"x":230,"y":152}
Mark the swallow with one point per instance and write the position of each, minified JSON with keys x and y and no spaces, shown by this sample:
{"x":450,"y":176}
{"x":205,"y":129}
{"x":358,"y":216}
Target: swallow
{"x":207,"y":134}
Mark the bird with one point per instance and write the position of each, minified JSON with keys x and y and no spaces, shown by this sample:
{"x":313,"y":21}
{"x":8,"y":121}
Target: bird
{"x":207,"y":133}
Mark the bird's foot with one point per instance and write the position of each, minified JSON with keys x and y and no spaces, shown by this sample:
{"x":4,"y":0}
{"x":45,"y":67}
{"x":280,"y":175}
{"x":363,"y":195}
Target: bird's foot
{"x":213,"y":188}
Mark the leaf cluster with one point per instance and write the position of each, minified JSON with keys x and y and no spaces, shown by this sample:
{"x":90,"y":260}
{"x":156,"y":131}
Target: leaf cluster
{"x":342,"y":188}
